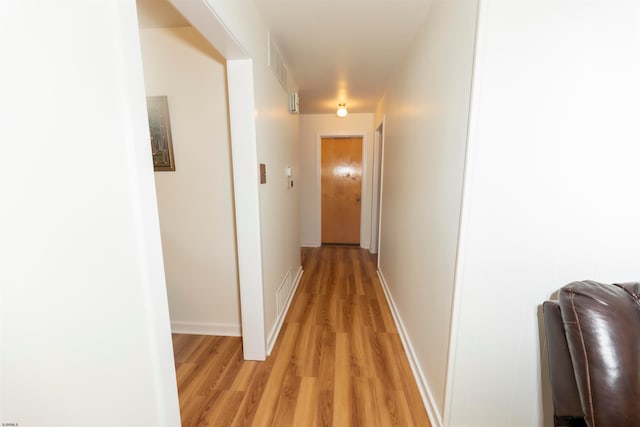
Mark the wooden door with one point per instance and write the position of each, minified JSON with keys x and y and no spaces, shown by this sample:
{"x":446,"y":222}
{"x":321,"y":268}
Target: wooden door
{"x":341,"y":183}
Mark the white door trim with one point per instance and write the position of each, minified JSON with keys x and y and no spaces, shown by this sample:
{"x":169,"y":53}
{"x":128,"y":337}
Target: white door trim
{"x":376,"y":187}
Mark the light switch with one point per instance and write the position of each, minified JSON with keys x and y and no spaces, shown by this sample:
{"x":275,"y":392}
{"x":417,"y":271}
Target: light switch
{"x":289,"y":174}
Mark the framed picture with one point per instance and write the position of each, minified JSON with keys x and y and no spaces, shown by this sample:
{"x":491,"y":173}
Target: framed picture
{"x":160,"y":131}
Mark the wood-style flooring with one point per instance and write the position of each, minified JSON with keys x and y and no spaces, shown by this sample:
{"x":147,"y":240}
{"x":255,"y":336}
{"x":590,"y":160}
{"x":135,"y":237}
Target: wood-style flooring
{"x":338,"y":360}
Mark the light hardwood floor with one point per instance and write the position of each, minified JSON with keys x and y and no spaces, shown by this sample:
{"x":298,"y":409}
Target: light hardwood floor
{"x":338,"y":361}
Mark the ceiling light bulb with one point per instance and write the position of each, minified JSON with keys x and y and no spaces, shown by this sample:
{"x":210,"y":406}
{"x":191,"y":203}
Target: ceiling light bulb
{"x":342,"y":110}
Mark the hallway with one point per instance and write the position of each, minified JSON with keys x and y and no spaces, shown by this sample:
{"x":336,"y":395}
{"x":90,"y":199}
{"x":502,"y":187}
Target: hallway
{"x":338,"y":360}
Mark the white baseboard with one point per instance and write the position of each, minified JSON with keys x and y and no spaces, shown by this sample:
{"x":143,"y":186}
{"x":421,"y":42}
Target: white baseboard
{"x":427,"y":397}
{"x":275,"y":331}
{"x":196,"y":328}
{"x":310,"y":245}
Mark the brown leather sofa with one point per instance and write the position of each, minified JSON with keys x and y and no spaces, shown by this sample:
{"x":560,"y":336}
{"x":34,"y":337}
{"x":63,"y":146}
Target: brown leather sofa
{"x":593,"y":344}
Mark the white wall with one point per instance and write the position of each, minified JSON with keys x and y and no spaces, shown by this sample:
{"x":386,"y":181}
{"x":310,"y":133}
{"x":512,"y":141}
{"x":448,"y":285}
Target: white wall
{"x":426,"y":110}
{"x":312,"y":126}
{"x":276,"y":144}
{"x":84,"y":321}
{"x":551,"y":188}
{"x":195,"y":201}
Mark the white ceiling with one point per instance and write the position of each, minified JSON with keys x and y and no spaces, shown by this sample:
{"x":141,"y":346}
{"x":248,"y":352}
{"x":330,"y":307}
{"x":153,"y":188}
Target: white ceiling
{"x":337,"y":50}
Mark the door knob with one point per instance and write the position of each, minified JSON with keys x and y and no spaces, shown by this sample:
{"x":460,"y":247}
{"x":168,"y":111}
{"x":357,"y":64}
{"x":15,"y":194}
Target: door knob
{"x":358,"y":199}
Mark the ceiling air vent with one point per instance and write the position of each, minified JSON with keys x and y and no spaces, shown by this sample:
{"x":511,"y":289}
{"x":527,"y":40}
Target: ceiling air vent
{"x":294,"y":103}
{"x":276,"y":63}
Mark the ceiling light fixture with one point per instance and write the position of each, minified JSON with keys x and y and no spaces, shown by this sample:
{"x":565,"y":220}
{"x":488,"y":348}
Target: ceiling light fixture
{"x":342,"y":110}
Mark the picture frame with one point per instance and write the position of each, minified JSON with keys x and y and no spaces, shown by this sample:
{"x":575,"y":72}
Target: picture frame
{"x":160,"y":133}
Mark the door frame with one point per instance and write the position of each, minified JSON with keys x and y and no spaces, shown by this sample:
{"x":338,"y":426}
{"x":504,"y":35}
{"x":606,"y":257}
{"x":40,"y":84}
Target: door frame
{"x":244,"y":160}
{"x":364,"y":195}
{"x":376,"y":187}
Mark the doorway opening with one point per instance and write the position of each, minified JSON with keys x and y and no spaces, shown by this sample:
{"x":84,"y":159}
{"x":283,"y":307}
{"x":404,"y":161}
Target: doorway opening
{"x":239,"y":74}
{"x":198,"y":239}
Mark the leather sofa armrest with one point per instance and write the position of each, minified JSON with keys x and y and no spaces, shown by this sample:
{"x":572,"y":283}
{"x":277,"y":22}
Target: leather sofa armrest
{"x":602,"y":324}
{"x":564,"y":391}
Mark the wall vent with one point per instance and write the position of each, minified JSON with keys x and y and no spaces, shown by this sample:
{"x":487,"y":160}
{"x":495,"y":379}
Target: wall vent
{"x":294,"y":103}
{"x":276,"y":63}
{"x":283,"y":293}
